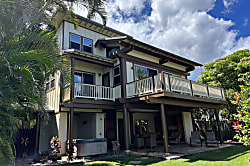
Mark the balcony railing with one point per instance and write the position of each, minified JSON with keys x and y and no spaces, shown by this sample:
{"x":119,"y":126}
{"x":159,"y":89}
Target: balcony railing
{"x":171,"y":83}
{"x":94,"y":92}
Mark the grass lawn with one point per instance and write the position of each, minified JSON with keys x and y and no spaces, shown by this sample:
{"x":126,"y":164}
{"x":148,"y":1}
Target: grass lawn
{"x":232,"y":156}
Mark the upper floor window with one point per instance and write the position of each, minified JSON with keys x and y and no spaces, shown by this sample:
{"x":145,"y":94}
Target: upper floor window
{"x":75,"y":42}
{"x":84,"y":78}
{"x":144,"y":72}
{"x":81,"y":43}
{"x":111,"y":51}
{"x":87,"y":45}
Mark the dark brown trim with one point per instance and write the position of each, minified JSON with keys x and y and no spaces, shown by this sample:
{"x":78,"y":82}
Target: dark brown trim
{"x":63,"y":25}
{"x":94,"y":102}
{"x":151,"y":64}
{"x":89,"y":106}
{"x":72,"y":78}
{"x":164,"y":128}
{"x":90,"y":60}
{"x":142,"y":105}
{"x":126,"y":128}
{"x":183,"y":103}
{"x":165,"y":52}
{"x":162,"y":61}
{"x":123,"y":74}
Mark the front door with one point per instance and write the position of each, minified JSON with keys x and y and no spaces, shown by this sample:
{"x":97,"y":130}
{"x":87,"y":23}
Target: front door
{"x":110,"y":127}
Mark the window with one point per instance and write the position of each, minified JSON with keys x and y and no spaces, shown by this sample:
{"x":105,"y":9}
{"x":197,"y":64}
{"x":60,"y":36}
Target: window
{"x":117,"y":78}
{"x":87,"y":45}
{"x":50,"y":83}
{"x":144,"y":72}
{"x":141,"y":127}
{"x":85,"y":78}
{"x":111,"y":50}
{"x":75,"y":42}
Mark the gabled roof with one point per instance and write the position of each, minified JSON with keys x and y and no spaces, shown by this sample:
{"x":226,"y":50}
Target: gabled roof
{"x":114,"y":35}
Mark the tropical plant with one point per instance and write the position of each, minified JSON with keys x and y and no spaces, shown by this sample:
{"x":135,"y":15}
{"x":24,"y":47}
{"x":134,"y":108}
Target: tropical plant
{"x":242,"y":117}
{"x":227,"y":73}
{"x":28,"y":55}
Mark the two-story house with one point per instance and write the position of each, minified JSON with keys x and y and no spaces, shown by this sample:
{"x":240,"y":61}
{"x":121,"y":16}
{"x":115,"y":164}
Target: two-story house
{"x":121,"y":89}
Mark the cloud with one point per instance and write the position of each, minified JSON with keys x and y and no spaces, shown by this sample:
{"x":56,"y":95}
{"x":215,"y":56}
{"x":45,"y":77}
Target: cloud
{"x":229,"y":3}
{"x":245,"y":22}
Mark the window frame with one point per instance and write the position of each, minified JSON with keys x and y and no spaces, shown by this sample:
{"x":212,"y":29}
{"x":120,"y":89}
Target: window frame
{"x":108,"y":49}
{"x":48,"y":82}
{"x":82,"y":40}
{"x":118,"y":75}
{"x":84,"y":72}
{"x":146,"y":70}
{"x":70,"y":33}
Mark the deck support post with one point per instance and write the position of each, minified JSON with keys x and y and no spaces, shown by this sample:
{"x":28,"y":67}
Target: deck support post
{"x":164,"y":128}
{"x":126,"y":128}
{"x":219,"y":126}
{"x":70,"y":137}
{"x":38,"y":122}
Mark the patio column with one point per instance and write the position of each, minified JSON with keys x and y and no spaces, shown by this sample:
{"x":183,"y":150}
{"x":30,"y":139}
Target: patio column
{"x":70,"y":137}
{"x":219,"y":126}
{"x":164,"y":128}
{"x":126,"y":128}
{"x":38,"y":120}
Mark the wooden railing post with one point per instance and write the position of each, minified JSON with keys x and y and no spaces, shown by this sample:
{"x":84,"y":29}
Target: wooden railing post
{"x":207,"y":91}
{"x":191,"y":88}
{"x":169,"y":83}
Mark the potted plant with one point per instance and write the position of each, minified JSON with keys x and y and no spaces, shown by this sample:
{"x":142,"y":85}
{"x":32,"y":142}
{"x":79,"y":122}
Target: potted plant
{"x":55,"y":144}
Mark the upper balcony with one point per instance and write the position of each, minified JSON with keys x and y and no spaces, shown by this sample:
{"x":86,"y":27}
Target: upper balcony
{"x":169,"y":85}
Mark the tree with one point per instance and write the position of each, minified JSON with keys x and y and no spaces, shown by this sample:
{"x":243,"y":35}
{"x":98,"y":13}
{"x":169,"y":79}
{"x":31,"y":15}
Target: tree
{"x":28,"y":55}
{"x":232,"y":73}
{"x":227,"y":73}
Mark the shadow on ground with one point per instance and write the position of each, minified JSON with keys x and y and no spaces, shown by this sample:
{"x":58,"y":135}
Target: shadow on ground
{"x":225,"y":154}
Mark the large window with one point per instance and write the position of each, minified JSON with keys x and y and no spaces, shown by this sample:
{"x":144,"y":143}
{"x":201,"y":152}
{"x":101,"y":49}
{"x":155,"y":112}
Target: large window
{"x":87,"y":45}
{"x":85,"y":78}
{"x":75,"y":42}
{"x":117,"y":78}
{"x":144,"y":72}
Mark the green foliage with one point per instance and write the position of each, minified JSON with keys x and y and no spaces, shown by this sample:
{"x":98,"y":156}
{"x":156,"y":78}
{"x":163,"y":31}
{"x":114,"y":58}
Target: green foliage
{"x":242,"y":117}
{"x":227,"y":73}
{"x":28,"y":55}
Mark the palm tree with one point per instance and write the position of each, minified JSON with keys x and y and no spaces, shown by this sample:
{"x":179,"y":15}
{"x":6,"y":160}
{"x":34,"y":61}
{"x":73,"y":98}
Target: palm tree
{"x":28,"y":55}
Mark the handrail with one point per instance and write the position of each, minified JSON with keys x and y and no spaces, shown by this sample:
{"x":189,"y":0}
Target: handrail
{"x":94,"y":91}
{"x":171,"y":83}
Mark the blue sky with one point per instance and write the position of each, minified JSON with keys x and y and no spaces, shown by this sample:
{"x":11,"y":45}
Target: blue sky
{"x":200,"y":30}
{"x":238,"y":13}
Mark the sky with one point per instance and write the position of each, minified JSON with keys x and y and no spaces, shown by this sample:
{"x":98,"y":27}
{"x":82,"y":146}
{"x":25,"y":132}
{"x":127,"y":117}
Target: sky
{"x":200,"y":30}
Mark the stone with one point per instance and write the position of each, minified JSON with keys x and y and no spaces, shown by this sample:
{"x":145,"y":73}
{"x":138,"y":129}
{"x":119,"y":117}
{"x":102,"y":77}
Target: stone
{"x":134,"y":162}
